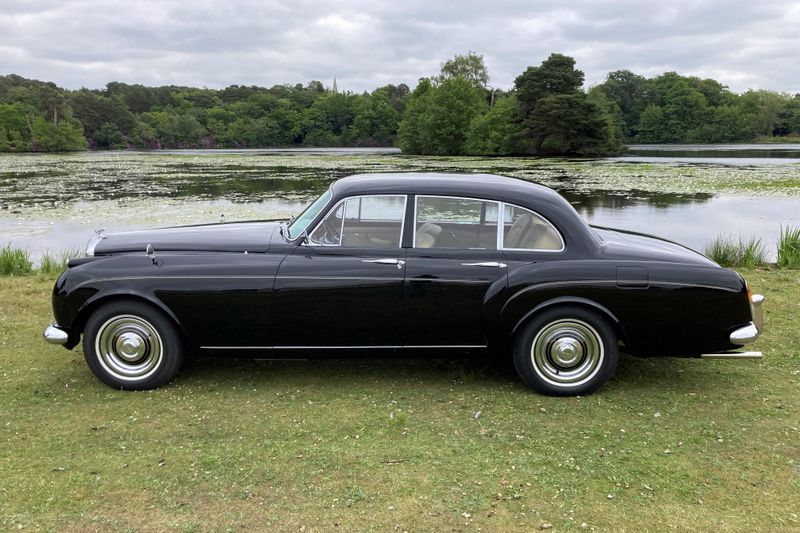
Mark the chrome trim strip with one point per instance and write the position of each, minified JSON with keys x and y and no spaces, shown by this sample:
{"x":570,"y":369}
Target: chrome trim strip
{"x":453,"y":280}
{"x":341,"y":277}
{"x":390,"y":347}
{"x":445,"y":346}
{"x":745,"y":334}
{"x":131,"y":278}
{"x":236,"y":347}
{"x":55,"y":334}
{"x":92,"y":244}
{"x":732,"y":355}
{"x":492,"y":264}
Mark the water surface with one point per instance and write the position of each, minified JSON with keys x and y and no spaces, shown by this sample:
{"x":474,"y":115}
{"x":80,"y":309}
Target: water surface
{"x":689,"y":193}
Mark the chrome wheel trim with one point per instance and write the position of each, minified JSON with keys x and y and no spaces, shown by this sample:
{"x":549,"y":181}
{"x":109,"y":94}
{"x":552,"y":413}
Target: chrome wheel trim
{"x":567,"y":352}
{"x":129,"y":347}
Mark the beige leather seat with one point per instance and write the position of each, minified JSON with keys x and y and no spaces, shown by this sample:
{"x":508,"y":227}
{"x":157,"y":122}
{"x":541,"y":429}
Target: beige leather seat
{"x":426,"y":235}
{"x":519,"y":231}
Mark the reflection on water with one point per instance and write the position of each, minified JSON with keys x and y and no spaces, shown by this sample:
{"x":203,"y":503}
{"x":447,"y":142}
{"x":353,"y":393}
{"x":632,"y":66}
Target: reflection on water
{"x":55,"y":201}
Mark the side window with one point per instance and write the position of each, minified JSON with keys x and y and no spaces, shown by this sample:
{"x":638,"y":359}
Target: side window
{"x":525,"y":230}
{"x":455,"y":223}
{"x":363,"y":221}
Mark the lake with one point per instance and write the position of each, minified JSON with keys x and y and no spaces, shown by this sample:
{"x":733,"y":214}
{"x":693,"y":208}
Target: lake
{"x":687,"y":193}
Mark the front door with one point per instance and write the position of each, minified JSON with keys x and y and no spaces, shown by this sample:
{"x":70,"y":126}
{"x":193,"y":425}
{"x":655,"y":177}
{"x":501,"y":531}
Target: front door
{"x":455,"y":273}
{"x":344,"y":287}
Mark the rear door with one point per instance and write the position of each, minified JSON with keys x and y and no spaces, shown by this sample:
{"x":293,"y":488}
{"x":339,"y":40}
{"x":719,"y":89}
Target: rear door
{"x":455,"y":273}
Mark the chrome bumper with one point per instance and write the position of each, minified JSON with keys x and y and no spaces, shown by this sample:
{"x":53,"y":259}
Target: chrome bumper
{"x":55,"y":334}
{"x":750,"y":332}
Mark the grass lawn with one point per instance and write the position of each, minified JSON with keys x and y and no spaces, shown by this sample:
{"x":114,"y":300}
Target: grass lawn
{"x":398,"y":445}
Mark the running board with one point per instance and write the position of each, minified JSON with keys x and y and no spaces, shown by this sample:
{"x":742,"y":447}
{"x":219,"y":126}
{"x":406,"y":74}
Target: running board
{"x":732,"y":355}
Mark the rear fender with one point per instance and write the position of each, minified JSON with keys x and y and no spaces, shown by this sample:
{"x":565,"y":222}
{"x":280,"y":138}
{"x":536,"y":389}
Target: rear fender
{"x":518,"y":322}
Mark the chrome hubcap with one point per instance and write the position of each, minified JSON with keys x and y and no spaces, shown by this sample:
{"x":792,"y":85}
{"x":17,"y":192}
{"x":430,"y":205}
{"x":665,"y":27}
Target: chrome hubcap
{"x":129,"y":347}
{"x":567,"y":352}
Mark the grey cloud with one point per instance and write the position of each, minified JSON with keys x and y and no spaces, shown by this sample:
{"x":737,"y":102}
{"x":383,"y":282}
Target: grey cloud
{"x":370,"y":43}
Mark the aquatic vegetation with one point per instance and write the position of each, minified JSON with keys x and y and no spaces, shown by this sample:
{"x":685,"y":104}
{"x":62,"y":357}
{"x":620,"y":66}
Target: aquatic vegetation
{"x":728,"y":252}
{"x":14,"y":261}
{"x":58,"y":199}
{"x":789,"y":247}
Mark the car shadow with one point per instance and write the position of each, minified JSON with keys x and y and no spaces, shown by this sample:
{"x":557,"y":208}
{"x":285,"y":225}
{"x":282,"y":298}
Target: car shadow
{"x":632,"y":374}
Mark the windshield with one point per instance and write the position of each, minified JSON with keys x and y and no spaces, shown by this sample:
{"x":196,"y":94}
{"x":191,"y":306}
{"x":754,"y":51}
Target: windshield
{"x":301,"y":222}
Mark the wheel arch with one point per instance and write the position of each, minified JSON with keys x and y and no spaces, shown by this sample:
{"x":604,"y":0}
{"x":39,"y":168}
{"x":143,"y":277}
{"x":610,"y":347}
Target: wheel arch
{"x":102,"y":298}
{"x":566,"y":301}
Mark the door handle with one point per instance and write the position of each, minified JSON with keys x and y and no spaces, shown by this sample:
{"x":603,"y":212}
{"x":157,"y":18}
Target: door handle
{"x":490,"y":264}
{"x":386,"y":261}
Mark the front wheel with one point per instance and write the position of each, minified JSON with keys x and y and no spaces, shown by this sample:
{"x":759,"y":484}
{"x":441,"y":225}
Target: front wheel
{"x":132,"y":345}
{"x":566,"y":351}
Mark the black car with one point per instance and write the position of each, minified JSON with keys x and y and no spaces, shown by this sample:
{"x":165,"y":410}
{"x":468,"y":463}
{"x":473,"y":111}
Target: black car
{"x":412,"y":264}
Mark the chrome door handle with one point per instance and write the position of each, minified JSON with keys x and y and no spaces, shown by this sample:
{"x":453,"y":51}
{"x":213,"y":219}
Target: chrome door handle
{"x":490,"y":264}
{"x":386,"y":261}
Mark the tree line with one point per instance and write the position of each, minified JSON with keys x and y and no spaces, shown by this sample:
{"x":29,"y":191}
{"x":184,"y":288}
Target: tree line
{"x":455,"y":112}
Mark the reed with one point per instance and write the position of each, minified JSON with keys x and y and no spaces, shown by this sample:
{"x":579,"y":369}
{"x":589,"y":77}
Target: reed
{"x":56,"y":262}
{"x":789,"y":247}
{"x":14,"y":261}
{"x":727,"y":252}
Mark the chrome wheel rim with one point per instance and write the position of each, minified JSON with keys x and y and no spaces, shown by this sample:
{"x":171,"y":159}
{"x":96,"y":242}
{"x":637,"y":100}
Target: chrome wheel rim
{"x":567,"y":352}
{"x":129,"y":347}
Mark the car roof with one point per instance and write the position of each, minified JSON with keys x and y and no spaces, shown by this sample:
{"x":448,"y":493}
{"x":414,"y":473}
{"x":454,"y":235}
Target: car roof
{"x":487,"y":186}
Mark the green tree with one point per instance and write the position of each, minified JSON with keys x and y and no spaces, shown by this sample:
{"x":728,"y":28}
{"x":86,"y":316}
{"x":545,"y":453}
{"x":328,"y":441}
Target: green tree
{"x":556,"y":75}
{"x":108,"y":136}
{"x":556,"y":115}
{"x":469,"y":67}
{"x":437,"y":119}
{"x":375,"y":120}
{"x":496,"y":132}
{"x":629,"y":92}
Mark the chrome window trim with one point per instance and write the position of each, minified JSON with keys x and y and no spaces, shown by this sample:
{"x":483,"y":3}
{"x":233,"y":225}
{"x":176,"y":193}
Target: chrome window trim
{"x":416,"y":206}
{"x":501,"y":235}
{"x":328,"y":191}
{"x":500,"y":226}
{"x":344,"y":214}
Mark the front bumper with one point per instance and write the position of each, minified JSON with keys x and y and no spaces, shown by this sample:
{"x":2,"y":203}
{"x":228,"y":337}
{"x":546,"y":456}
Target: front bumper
{"x":55,"y":334}
{"x":750,"y":332}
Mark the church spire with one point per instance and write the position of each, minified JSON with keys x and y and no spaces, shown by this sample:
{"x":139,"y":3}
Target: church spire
{"x":334,"y":89}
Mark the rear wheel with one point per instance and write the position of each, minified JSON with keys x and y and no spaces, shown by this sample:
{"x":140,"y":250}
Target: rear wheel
{"x":566,"y":351}
{"x":132,"y":345}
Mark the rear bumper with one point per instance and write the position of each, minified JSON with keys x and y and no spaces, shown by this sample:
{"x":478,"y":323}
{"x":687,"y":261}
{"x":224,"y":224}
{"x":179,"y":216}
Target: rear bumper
{"x":750,"y":332}
{"x":55,"y":334}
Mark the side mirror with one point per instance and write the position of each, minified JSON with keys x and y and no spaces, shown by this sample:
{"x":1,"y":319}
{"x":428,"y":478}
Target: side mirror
{"x":303,"y":238}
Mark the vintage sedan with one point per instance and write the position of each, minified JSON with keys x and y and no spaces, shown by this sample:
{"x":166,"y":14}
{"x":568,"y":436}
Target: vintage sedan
{"x":412,"y":264}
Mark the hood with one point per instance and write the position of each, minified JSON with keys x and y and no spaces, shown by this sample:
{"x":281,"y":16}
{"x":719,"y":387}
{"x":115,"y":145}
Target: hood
{"x":227,"y":237}
{"x":623,"y":244}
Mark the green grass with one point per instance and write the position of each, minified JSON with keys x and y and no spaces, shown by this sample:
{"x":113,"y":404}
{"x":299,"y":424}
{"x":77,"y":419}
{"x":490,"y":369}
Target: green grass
{"x":348,"y":445}
{"x":14,"y":261}
{"x":789,"y":247}
{"x":727,"y":252}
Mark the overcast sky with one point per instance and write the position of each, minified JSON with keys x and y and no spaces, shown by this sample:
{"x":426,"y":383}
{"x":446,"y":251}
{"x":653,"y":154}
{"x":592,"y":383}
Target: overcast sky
{"x":366,"y":44}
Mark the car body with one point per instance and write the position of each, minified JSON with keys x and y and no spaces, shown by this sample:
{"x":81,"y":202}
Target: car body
{"x":405,"y":263}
